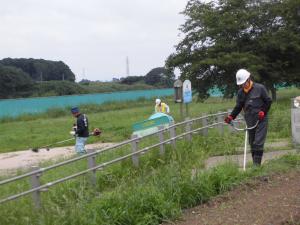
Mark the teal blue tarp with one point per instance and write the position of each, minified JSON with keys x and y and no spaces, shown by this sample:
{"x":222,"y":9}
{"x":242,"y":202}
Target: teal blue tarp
{"x":151,"y":125}
{"x":154,"y":120}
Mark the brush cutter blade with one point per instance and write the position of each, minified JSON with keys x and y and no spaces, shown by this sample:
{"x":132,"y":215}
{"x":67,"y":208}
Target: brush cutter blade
{"x":35,"y":149}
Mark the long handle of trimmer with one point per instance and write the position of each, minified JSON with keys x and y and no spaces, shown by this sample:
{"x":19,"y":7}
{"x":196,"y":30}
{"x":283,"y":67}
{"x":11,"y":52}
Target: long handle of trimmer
{"x":245,"y":150}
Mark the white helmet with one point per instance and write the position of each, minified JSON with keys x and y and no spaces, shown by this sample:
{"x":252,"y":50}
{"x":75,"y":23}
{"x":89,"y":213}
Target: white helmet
{"x":157,"y":101}
{"x":241,"y":76}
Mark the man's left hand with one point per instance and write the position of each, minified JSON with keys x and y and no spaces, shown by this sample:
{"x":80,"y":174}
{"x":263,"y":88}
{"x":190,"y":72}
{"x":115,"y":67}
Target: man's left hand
{"x":261,"y":115}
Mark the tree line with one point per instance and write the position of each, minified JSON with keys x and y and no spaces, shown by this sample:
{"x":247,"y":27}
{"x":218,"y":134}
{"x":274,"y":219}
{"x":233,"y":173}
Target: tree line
{"x":159,"y":76}
{"x":223,"y":36}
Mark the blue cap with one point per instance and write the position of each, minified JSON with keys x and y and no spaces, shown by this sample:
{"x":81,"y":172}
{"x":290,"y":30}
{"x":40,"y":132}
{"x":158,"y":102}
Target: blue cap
{"x":75,"y":109}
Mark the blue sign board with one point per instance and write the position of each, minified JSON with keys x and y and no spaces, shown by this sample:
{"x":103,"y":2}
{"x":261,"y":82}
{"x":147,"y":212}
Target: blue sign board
{"x":187,"y":91}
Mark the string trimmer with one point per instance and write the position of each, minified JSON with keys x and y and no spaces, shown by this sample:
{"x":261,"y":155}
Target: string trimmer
{"x":246,"y":138}
{"x":96,"y":132}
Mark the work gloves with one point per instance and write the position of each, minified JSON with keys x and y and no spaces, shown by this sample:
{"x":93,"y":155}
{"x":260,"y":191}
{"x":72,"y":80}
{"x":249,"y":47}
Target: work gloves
{"x":261,"y":115}
{"x":74,"y":130}
{"x":228,"y":119}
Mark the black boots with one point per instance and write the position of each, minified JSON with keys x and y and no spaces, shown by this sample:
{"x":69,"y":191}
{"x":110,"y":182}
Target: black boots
{"x":257,"y":157}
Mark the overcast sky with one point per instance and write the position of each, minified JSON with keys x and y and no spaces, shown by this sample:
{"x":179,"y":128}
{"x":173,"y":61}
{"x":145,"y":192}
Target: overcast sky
{"x":93,"y":37}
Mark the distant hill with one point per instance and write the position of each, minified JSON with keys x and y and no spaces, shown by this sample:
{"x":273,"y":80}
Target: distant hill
{"x":40,"y":69}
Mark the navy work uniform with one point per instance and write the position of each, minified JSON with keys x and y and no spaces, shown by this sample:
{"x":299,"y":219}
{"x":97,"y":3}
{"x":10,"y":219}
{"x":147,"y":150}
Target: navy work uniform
{"x":253,"y":102}
{"x":81,"y":130}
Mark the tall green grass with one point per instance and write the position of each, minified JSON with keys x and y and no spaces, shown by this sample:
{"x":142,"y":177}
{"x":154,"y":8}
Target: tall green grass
{"x":157,"y":191}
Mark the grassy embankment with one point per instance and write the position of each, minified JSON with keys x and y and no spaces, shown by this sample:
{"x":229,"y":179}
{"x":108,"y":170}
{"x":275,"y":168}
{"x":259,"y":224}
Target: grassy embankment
{"x":158,"y":189}
{"x":116,"y":119}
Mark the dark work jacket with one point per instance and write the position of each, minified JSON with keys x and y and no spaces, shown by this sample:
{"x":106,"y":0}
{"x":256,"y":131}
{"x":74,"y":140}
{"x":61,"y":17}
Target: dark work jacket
{"x":257,"y":99}
{"x":82,"y":126}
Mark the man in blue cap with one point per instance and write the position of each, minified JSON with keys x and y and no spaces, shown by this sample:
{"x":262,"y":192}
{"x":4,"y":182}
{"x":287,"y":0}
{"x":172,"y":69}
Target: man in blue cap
{"x":81,"y":130}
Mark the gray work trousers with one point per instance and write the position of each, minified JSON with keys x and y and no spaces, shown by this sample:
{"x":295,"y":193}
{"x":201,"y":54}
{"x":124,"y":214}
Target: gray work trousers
{"x":257,"y":136}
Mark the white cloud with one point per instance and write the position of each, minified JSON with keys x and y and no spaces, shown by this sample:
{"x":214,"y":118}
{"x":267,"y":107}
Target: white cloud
{"x":96,"y":35}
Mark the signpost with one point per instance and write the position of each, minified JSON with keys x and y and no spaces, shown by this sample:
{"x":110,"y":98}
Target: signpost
{"x":178,"y":95}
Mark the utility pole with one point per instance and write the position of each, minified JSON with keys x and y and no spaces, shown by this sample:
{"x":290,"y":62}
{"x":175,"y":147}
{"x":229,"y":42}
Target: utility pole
{"x":41,"y":77}
{"x":63,"y":76}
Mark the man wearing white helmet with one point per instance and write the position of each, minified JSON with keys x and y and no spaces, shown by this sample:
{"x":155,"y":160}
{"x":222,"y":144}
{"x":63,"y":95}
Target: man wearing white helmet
{"x":161,"y":107}
{"x":254,"y":100}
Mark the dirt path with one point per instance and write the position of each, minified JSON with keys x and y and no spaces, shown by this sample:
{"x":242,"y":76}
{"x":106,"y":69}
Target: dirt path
{"x":239,"y":159}
{"x":271,"y":200}
{"x":12,"y":161}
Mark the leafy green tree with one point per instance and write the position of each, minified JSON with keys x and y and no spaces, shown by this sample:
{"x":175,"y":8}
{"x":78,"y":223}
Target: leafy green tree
{"x":14,"y":82}
{"x":160,"y":76}
{"x":223,"y":36}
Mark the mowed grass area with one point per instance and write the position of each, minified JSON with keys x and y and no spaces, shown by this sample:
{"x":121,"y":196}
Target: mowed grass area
{"x":156,"y":191}
{"x":115,"y":120}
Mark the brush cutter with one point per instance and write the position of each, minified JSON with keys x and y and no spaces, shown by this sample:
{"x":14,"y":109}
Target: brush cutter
{"x":96,"y":132}
{"x":246,"y":137}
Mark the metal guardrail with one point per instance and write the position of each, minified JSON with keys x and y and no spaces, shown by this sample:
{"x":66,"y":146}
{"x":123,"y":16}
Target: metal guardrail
{"x":34,"y":175}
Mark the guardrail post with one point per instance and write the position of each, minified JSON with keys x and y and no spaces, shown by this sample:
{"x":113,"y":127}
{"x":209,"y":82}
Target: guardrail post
{"x":188,"y":128}
{"x":173,"y":134}
{"x":220,"y":125}
{"x":92,"y":163}
{"x":35,"y":182}
{"x":134,"y":148}
{"x":204,"y":123}
{"x":161,"y":139}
